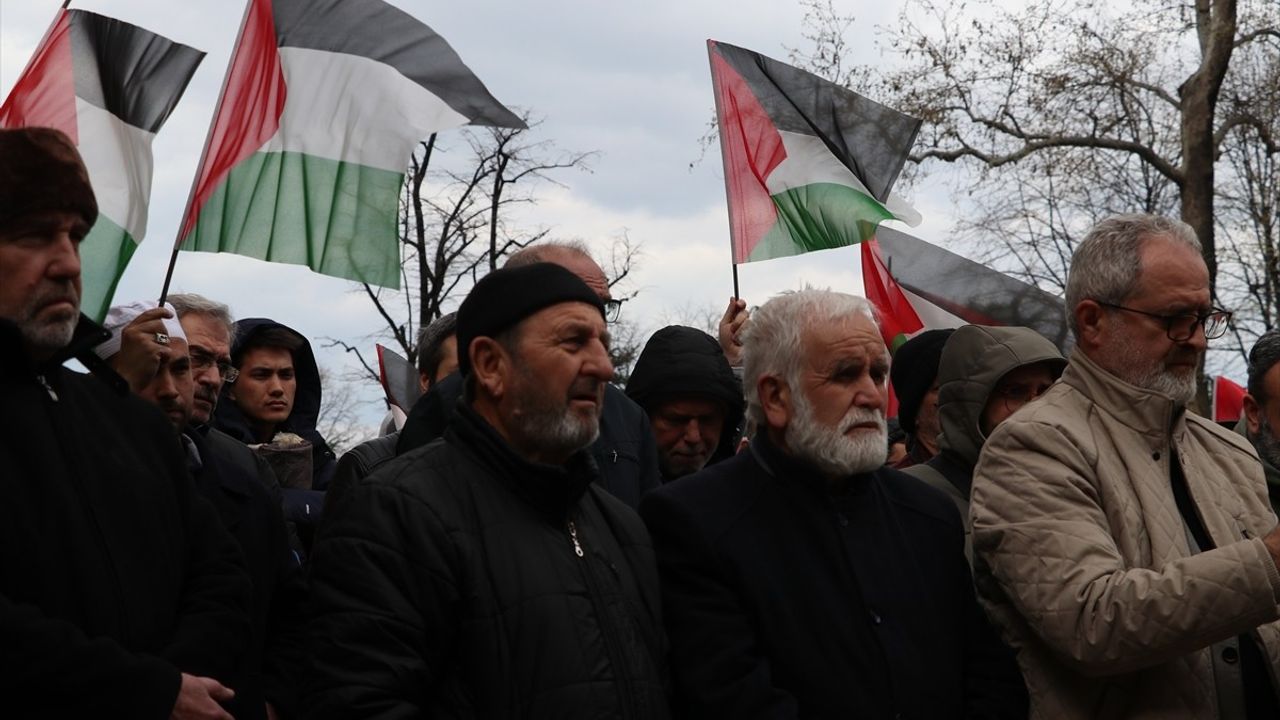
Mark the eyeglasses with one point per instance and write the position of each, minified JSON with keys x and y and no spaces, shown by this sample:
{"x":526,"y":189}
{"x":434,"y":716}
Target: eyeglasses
{"x":1018,"y":394}
{"x":201,"y":361}
{"x":613,"y":309}
{"x":1180,"y":328}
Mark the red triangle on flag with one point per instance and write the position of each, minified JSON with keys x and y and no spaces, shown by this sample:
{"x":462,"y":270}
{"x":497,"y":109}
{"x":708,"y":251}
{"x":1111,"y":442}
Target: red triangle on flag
{"x":45,"y":94}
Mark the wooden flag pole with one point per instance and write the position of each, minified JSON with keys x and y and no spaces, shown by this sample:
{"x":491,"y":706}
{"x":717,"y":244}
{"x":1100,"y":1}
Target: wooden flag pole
{"x":204,"y":154}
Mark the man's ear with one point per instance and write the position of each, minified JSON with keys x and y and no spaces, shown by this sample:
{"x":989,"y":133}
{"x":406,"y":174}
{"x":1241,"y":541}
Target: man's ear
{"x":1091,"y":321}
{"x":1252,"y":415}
{"x":775,"y":399}
{"x":489,"y":365}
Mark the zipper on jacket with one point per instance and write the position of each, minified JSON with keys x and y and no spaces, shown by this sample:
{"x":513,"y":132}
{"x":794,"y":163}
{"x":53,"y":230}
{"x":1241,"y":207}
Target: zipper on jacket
{"x":573,"y":535}
{"x":48,"y":388}
{"x":612,"y":644}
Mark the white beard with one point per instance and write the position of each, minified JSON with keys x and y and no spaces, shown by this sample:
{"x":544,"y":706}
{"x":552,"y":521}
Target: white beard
{"x":830,"y":449}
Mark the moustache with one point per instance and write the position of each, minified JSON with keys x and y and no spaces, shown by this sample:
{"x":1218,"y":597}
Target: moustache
{"x":55,"y":292}
{"x":860,"y":416}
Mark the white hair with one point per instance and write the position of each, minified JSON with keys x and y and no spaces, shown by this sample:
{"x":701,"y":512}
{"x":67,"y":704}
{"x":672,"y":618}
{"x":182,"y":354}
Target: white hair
{"x":771,"y":341}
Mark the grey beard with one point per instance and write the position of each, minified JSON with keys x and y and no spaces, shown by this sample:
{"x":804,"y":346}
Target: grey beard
{"x":1266,"y":443}
{"x":829,"y":449}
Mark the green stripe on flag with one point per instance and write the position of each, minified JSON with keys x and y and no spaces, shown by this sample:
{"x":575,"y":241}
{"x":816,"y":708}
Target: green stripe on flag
{"x":336,"y":218}
{"x":819,"y":216}
{"x":104,"y":254}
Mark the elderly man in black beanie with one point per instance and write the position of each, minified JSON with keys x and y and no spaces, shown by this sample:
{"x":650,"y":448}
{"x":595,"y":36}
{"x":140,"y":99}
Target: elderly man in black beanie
{"x":914,"y":375}
{"x":120,"y":593}
{"x":487,"y":575}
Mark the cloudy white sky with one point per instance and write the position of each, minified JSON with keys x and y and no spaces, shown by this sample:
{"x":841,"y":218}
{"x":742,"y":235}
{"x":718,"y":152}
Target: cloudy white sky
{"x":628,"y":80}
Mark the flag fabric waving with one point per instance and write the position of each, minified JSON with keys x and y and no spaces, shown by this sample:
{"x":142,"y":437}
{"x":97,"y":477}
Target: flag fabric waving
{"x":948,"y":290}
{"x":808,"y":165}
{"x":1228,"y":400}
{"x":322,"y":105}
{"x":109,"y":86}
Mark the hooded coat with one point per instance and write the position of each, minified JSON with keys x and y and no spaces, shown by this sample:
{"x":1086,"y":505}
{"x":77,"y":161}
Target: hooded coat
{"x":301,"y":506}
{"x":682,"y":361}
{"x":973,"y":362}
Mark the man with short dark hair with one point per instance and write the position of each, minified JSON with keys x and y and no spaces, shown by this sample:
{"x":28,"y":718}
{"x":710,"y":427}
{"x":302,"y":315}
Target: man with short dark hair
{"x":1260,"y":422}
{"x":120,"y":594}
{"x":1125,"y":545}
{"x":488,"y":575}
{"x":693,"y":399}
{"x":437,"y":359}
{"x":803,"y":579}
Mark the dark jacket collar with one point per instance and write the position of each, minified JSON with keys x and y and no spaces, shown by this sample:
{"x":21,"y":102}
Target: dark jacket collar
{"x":790,"y":469}
{"x":87,"y":335}
{"x":553,"y":489}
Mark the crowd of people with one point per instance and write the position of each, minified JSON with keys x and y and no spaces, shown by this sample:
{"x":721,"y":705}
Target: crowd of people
{"x":728,"y":536}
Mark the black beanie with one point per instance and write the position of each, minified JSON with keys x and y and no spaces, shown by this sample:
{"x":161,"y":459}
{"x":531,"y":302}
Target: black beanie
{"x":41,"y":172}
{"x":914,"y":368}
{"x":505,"y":297}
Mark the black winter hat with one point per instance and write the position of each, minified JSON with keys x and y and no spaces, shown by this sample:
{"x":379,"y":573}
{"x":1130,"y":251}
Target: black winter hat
{"x":506,"y":296}
{"x":914,"y":368}
{"x":41,"y":171}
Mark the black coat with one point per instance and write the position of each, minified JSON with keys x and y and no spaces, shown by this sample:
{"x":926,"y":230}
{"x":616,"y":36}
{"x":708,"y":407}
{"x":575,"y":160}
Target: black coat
{"x":784,"y":602}
{"x":253,"y":517}
{"x":447,"y":585}
{"x":302,"y":507}
{"x":625,"y":451}
{"x":682,"y":361}
{"x":114,"y":575}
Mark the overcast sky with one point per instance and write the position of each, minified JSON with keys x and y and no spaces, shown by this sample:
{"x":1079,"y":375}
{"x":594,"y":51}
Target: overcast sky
{"x":628,"y":80}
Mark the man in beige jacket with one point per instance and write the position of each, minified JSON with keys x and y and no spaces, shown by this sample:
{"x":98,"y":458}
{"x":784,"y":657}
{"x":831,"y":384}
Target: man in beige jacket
{"x":1125,"y":546}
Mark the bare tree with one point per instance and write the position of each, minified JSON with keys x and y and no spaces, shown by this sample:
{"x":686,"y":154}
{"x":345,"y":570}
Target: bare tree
{"x":1057,"y":113}
{"x":456,"y":225}
{"x":339,"y":419}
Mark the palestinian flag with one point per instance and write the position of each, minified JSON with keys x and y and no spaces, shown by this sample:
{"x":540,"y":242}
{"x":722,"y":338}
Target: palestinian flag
{"x":946,"y":290}
{"x":323,"y":103}
{"x":109,"y":86}
{"x":1228,"y":400}
{"x":808,"y":165}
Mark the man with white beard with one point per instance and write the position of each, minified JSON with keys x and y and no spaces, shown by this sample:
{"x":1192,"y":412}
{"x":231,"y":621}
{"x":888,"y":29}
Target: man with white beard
{"x":802,"y":578}
{"x":1124,"y":545}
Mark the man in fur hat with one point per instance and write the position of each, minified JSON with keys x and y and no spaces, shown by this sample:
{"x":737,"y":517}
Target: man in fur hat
{"x":120,"y":594}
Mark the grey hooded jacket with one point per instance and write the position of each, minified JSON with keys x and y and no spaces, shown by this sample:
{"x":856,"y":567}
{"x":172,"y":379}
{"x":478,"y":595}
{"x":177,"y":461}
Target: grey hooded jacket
{"x":974,"y":360}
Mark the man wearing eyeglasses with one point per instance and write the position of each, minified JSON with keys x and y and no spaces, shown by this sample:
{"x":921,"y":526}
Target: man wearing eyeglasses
{"x":1124,"y":545}
{"x":985,"y":375}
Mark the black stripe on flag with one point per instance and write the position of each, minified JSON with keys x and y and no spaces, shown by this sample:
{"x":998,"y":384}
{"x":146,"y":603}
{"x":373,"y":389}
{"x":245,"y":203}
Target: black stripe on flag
{"x":872,"y":140}
{"x":132,"y":73}
{"x":970,"y":290}
{"x":378,"y":31}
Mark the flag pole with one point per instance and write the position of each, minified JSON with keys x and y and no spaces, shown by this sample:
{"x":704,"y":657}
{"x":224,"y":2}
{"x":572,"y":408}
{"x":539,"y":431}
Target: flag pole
{"x":724,"y":159}
{"x":204,"y":154}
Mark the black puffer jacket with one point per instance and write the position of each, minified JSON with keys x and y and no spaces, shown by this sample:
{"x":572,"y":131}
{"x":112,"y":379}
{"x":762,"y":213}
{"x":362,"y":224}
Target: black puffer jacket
{"x":681,"y":361}
{"x":447,"y":584}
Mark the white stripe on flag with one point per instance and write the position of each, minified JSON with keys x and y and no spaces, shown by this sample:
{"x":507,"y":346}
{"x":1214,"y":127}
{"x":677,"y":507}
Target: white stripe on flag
{"x":118,"y":157}
{"x":809,"y":161}
{"x":932,"y":316}
{"x":355,"y":110}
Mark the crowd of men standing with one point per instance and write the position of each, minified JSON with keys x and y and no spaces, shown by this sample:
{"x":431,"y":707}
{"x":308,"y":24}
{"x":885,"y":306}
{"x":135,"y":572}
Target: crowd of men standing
{"x":721,"y":538}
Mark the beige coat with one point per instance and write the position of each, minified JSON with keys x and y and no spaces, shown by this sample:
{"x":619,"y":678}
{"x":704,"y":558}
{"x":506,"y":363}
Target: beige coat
{"x":1082,"y":558}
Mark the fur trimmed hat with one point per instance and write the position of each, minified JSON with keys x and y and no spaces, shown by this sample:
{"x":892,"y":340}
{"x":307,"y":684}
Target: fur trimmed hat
{"x":41,"y":172}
